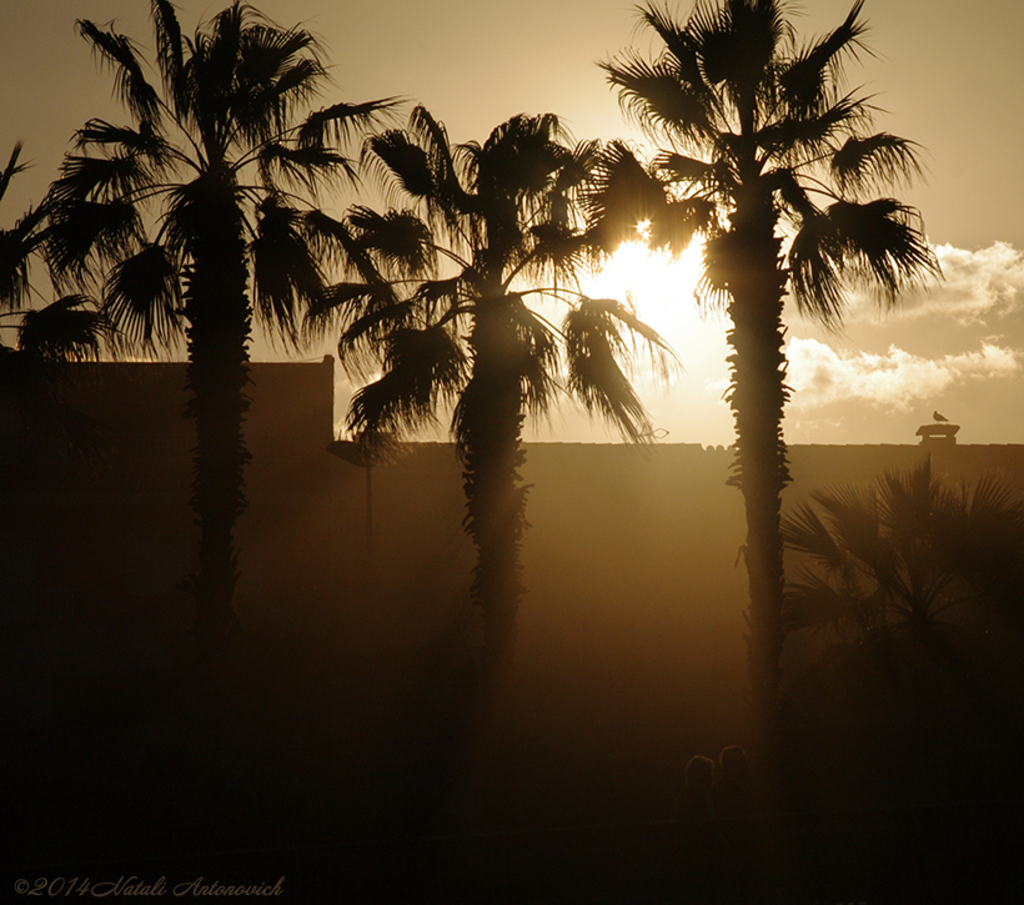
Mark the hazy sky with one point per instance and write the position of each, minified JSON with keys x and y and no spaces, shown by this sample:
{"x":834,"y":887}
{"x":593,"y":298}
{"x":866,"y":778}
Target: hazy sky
{"x":953,"y":83}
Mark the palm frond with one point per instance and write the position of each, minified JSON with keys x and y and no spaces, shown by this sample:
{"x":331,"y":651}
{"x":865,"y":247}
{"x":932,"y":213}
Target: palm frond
{"x":900,"y":553}
{"x":657,"y":347}
{"x":538,"y":359}
{"x":277,"y":70}
{"x":83,"y":234}
{"x":398,"y":240}
{"x":306,"y":166}
{"x":593,"y":346}
{"x":18,"y":245}
{"x":101,"y":179}
{"x":439,"y":297}
{"x":286,"y":275}
{"x":805,"y":79}
{"x":854,"y":523}
{"x":813,"y":604}
{"x":804,"y":531}
{"x":69,"y":329}
{"x":341,"y":121}
{"x":447,"y":165}
{"x":522,"y":157}
{"x":558,"y":249}
{"x":144,"y":142}
{"x":170,"y":50}
{"x":365,"y":336}
{"x":680,"y":168}
{"x":332,"y":241}
{"x":795,"y":139}
{"x":738,"y":45}
{"x":346,"y":304}
{"x":906,"y":499}
{"x":394,"y":156}
{"x":816,"y":260}
{"x":12,"y":168}
{"x":423,"y":371}
{"x":130,"y":84}
{"x":652,"y":96}
{"x":622,"y":194}
{"x":981,"y":533}
{"x":884,"y":245}
{"x":143,"y":297}
{"x":882,"y":159}
{"x":680,"y":43}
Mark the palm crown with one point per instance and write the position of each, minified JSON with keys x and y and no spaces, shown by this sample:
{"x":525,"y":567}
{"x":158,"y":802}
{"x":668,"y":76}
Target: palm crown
{"x":224,"y":117}
{"x":892,"y":577}
{"x":440,"y":295}
{"x":753,"y":119}
{"x":900,"y":554}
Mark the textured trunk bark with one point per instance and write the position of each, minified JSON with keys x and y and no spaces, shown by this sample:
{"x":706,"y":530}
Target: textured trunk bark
{"x":495,"y":521}
{"x":758,"y":396}
{"x":495,"y":499}
{"x":219,"y":317}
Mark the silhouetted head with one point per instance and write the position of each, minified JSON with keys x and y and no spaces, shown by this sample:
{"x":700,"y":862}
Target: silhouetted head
{"x":699,"y":770}
{"x":733,"y":763}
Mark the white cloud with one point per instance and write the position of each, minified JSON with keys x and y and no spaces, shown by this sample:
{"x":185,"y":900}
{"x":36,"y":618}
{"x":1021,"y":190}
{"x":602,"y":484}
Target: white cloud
{"x":820,"y":376}
{"x":976,"y":285}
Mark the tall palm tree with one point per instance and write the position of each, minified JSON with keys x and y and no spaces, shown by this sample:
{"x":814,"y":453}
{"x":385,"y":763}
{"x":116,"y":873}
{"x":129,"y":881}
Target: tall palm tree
{"x":211,"y":159}
{"x":762,"y":141}
{"x":440,"y":302}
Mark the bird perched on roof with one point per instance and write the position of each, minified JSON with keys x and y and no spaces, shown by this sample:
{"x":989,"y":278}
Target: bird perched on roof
{"x":939,"y":417}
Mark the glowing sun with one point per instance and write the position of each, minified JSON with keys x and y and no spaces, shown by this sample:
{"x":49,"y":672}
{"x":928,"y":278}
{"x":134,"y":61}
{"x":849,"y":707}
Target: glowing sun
{"x":658,"y":285}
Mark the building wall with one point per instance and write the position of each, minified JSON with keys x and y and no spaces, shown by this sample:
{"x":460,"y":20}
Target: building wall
{"x":357,"y":633}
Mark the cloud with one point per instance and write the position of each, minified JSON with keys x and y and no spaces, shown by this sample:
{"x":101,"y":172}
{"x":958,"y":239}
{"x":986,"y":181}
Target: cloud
{"x":976,"y":285}
{"x":897,"y":380}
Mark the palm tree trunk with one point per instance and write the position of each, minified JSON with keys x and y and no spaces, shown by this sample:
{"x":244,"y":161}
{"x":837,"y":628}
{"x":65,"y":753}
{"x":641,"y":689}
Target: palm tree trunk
{"x":757,"y":397}
{"x":495,"y":499}
{"x":219,"y":315}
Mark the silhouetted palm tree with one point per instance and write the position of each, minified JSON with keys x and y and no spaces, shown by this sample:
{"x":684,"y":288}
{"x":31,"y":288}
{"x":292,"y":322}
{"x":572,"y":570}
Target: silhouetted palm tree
{"x":212,"y":156}
{"x":886,"y":567}
{"x":439,"y":303}
{"x":761,"y":138}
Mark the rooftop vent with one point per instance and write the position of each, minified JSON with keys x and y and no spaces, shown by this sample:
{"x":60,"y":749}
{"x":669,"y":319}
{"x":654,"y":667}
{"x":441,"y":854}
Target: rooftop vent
{"x":938,"y":434}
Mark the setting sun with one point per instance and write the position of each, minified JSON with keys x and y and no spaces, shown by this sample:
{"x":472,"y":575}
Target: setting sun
{"x":658,"y":284}
{"x":661,"y":287}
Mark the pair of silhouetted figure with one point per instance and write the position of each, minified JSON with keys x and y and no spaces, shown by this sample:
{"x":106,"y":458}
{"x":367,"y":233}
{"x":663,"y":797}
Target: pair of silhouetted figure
{"x":716,"y":856}
{"x":716,"y":792}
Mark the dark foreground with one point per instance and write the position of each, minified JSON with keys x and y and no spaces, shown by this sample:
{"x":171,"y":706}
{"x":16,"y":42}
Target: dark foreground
{"x":955,"y":853}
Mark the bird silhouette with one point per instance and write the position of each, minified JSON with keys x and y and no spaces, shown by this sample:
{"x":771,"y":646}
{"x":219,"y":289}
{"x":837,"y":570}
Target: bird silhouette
{"x":939,"y":417}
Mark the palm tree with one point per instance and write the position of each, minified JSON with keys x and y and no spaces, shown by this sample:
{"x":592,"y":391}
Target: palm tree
{"x":440,"y":302}
{"x":761,"y":139}
{"x":890,"y":573}
{"x":211,"y":159}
